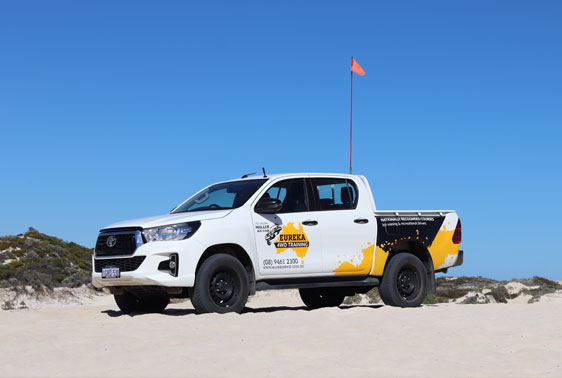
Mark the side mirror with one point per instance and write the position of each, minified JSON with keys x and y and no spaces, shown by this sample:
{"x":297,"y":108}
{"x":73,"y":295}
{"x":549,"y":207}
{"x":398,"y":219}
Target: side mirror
{"x":268,"y":206}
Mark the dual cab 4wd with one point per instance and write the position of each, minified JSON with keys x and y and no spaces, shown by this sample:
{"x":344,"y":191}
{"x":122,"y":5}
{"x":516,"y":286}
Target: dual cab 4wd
{"x":319,"y":233}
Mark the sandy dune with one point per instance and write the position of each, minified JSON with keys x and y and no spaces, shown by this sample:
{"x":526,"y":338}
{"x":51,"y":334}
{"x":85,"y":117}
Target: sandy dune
{"x":277,"y":336}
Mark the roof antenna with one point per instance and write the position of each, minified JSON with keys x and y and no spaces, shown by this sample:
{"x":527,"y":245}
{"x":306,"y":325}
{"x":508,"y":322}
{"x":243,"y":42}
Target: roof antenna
{"x":263,"y":169}
{"x":248,"y":174}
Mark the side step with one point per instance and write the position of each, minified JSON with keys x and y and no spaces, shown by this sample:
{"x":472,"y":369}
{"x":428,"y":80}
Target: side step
{"x":303,"y":283}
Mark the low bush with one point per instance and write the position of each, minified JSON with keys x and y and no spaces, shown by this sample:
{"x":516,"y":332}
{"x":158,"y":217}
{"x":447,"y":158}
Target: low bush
{"x":500,"y":294}
{"x":430,"y":299}
{"x":44,"y":260}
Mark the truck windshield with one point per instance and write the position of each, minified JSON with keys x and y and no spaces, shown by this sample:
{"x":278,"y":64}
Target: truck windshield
{"x":228,"y":195}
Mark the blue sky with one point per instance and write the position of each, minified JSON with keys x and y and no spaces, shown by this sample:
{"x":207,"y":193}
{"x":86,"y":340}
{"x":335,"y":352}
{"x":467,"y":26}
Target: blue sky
{"x":118,"y":110}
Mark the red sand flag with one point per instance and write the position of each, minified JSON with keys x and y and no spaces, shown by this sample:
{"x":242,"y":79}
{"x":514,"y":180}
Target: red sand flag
{"x":355,"y":67}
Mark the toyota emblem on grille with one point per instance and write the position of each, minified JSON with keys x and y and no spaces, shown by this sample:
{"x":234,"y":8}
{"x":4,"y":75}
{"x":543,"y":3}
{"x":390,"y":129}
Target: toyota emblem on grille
{"x":111,"y":241}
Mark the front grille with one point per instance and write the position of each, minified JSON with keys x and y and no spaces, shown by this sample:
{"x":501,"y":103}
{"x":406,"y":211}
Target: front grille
{"x":128,"y":264}
{"x":126,"y":243}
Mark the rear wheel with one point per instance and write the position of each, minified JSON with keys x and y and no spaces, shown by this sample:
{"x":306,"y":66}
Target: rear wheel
{"x":322,"y":297}
{"x":221,"y":285}
{"x":404,"y":281}
{"x":128,"y":302}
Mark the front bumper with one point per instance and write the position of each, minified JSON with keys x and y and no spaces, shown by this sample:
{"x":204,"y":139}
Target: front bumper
{"x":147,"y":273}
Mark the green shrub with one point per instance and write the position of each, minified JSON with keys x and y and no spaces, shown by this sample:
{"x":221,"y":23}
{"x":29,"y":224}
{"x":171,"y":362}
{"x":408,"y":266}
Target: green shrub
{"x":430,"y":299}
{"x":500,"y":294}
{"x":16,"y":263}
{"x":352,"y":300}
{"x":446,"y":294}
{"x":543,"y":281}
{"x":373,"y":295}
{"x":44,"y":260}
{"x":8,"y":305}
{"x":77,"y":279}
{"x":6,"y":271}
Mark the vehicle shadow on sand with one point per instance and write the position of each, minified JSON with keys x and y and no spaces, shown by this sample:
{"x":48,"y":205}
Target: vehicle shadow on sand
{"x":299,"y":308}
{"x":169,"y":312}
{"x":247,"y":310}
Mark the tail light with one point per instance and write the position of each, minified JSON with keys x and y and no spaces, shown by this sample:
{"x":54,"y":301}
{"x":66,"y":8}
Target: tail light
{"x":457,"y":236}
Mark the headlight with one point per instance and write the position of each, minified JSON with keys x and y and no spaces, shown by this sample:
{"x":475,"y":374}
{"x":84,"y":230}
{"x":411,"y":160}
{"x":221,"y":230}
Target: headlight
{"x":172,"y":232}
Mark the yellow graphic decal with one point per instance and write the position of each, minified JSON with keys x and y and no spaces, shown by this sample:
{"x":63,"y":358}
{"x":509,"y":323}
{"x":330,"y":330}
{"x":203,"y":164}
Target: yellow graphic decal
{"x":360,"y":263}
{"x":292,"y":238}
{"x":380,"y":260}
{"x":443,"y":250}
{"x":439,"y":243}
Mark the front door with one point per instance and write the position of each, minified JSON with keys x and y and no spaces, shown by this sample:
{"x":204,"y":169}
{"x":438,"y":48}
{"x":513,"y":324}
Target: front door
{"x":288,"y":242}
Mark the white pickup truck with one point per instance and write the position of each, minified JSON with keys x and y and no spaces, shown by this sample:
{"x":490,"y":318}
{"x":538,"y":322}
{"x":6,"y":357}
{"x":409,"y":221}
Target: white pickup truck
{"x":319,"y":233}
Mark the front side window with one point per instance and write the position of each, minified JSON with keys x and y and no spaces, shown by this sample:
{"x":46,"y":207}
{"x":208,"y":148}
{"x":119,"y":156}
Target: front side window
{"x":228,"y":195}
{"x":335,"y":193}
{"x":291,"y":193}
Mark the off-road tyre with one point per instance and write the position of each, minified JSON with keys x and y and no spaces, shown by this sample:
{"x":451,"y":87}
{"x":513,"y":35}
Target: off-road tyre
{"x":221,"y":285}
{"x":128,"y":303}
{"x":404,"y":281}
{"x":321,"y":297}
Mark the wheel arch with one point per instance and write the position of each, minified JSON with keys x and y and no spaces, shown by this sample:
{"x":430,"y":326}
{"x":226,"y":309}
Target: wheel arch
{"x":236,"y":251}
{"x":419,"y":250}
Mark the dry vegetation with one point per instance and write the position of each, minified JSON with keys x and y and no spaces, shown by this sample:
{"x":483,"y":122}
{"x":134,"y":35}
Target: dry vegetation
{"x":474,"y":290}
{"x":39,"y":260}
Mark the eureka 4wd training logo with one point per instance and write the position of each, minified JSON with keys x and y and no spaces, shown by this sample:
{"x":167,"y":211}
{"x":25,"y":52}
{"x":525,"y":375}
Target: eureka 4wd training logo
{"x":288,"y":237}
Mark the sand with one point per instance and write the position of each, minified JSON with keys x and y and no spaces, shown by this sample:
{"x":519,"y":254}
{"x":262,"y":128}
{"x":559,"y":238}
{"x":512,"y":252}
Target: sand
{"x":29,"y":297}
{"x":277,"y":336}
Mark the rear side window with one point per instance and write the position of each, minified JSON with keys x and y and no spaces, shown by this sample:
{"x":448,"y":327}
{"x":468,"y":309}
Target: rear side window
{"x":291,"y":193}
{"x":335,"y":193}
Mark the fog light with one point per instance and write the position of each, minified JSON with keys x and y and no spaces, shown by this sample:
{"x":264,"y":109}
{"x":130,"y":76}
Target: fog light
{"x":173,"y":264}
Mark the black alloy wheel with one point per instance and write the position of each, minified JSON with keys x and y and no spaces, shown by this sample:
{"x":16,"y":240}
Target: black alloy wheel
{"x":407,"y":282}
{"x":224,"y":288}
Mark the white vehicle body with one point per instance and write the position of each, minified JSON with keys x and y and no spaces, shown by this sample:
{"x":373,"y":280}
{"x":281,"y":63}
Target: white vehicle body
{"x":354,"y":240}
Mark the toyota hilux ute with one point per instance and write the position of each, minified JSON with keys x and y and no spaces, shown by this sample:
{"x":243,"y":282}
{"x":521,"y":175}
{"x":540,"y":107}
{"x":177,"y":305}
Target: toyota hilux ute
{"x":319,"y":233}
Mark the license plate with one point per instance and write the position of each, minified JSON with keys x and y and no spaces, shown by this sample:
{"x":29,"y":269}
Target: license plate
{"x":110,"y":272}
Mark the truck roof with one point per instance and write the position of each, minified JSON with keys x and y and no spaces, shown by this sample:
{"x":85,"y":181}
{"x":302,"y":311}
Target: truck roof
{"x":288,"y":175}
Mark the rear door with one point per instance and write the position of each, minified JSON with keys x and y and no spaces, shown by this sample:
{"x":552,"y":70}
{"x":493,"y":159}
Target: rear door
{"x":288,"y":242}
{"x":347,"y":224}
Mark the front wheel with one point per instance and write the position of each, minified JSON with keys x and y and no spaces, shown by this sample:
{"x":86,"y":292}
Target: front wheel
{"x":221,"y":285}
{"x":404,"y":281}
{"x":127,"y":303}
{"x":322,"y":297}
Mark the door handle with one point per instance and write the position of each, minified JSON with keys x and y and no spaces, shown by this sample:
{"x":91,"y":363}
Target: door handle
{"x":310,"y":222}
{"x":361,"y":220}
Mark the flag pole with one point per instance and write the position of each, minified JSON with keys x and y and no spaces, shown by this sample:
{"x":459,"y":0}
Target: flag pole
{"x":351,"y":120}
